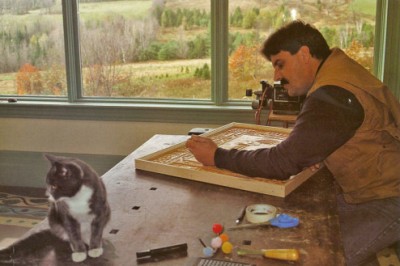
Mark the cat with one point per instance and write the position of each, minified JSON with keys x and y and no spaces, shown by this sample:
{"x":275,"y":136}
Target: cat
{"x":78,"y":212}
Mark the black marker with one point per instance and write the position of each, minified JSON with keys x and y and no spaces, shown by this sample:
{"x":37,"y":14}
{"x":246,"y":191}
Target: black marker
{"x":163,"y":253}
{"x":241,"y":215}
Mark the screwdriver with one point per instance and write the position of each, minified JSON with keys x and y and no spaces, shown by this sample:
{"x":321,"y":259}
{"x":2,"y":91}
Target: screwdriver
{"x":279,"y":254}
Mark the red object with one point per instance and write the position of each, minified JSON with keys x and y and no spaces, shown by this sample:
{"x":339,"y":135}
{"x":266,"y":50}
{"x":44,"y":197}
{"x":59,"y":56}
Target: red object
{"x":217,"y":228}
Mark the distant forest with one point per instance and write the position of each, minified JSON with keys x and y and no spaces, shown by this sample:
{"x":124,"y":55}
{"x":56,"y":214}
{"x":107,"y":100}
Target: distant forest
{"x":32,"y":40}
{"x":128,"y":40}
{"x":21,"y":7}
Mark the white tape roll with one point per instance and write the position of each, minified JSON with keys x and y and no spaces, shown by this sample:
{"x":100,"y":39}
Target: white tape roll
{"x":260,"y":213}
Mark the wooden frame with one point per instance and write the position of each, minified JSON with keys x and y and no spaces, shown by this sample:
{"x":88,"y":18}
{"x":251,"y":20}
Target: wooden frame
{"x":178,"y":161}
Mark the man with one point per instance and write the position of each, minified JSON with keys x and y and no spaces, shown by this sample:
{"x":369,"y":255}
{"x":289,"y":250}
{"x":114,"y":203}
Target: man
{"x":349,"y":120}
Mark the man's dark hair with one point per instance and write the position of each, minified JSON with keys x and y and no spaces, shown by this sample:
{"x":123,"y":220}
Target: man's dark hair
{"x":294,"y":35}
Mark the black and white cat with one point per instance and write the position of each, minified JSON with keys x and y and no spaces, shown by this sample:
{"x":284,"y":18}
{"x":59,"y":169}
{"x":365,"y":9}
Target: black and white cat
{"x":78,"y":214}
{"x":79,"y":210}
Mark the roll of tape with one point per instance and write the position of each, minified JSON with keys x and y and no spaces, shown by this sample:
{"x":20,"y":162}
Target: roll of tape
{"x":260,"y":213}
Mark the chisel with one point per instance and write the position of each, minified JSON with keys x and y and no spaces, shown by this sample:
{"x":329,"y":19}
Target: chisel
{"x":279,"y":254}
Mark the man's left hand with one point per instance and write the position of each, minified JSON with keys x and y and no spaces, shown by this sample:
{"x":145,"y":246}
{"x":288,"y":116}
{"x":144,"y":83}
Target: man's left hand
{"x":203,"y":149}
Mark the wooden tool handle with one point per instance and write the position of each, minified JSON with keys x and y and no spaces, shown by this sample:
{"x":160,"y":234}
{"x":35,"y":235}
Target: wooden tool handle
{"x":281,"y":254}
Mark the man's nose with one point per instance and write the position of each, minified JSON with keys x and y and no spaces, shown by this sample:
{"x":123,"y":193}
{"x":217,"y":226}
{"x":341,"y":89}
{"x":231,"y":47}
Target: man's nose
{"x":277,"y":75}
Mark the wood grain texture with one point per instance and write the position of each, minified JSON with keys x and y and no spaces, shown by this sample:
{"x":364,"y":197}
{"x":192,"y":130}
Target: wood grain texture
{"x":151,"y":210}
{"x":179,"y":162}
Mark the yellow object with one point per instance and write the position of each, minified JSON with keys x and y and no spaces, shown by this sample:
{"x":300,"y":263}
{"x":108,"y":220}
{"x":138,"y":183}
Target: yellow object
{"x":281,"y":254}
{"x":227,"y":247}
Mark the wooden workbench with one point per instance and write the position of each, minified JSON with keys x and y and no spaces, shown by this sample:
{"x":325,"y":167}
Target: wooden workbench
{"x":152,"y":210}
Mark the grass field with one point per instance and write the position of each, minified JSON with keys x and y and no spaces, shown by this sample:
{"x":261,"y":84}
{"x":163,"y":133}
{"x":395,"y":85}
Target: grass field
{"x":102,"y":10}
{"x":150,"y":79}
{"x":7,"y":84}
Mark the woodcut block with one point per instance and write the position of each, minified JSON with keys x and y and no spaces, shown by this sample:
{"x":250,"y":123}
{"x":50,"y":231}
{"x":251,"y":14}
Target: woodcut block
{"x":179,"y":162}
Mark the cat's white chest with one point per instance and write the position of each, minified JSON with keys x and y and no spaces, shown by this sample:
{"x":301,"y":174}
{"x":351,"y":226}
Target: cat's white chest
{"x":79,"y":204}
{"x":79,"y":209}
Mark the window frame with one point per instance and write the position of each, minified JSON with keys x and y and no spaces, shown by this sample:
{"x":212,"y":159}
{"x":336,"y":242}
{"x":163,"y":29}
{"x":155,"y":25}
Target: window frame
{"x":218,"y":110}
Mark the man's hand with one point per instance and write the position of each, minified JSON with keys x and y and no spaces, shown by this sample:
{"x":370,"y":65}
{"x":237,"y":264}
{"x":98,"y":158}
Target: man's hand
{"x":203,"y":149}
{"x":315,"y":167}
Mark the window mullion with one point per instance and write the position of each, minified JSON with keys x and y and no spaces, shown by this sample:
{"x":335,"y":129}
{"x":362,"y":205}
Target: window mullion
{"x":72,"y":51}
{"x":386,"y":66}
{"x":380,"y":37}
{"x":219,"y":51}
{"x":391,"y":69}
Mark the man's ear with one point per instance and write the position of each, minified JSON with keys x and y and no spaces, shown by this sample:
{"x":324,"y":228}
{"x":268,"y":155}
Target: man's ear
{"x":305,"y":54}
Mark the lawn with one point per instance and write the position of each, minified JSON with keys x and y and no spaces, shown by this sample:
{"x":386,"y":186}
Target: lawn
{"x":102,"y":10}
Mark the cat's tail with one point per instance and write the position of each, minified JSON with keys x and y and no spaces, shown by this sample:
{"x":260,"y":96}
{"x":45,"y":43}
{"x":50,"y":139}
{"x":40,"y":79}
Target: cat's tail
{"x":31,"y":248}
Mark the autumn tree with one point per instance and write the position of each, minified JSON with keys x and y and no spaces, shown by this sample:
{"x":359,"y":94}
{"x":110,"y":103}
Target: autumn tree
{"x":28,"y":80}
{"x":54,"y":80}
{"x":243,"y":62}
{"x":361,"y":54}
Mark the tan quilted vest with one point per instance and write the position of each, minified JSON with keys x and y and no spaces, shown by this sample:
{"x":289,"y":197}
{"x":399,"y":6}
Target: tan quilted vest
{"x":367,"y":167}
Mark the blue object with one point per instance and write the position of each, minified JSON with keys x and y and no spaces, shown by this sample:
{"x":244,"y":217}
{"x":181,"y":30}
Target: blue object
{"x":284,"y":221}
{"x":208,"y":251}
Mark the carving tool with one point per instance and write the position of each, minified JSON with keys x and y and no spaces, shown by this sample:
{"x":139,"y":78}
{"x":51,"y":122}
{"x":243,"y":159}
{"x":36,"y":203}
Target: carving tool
{"x":282,"y":221}
{"x":279,"y":254}
{"x":158,"y":254}
{"x":241,"y":215}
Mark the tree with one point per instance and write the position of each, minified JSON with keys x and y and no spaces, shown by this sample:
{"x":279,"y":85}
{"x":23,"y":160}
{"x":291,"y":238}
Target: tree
{"x":199,"y":47}
{"x":206,"y":74}
{"x":359,"y":53}
{"x":203,"y":72}
{"x":242,"y":63}
{"x":54,"y":80}
{"x":28,"y":80}
{"x":168,"y":51}
{"x":237,"y":17}
{"x":249,"y":19}
{"x":330,"y":36}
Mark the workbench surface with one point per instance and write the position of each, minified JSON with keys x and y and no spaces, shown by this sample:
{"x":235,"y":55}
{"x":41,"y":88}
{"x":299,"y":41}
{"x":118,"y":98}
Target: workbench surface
{"x":152,"y":210}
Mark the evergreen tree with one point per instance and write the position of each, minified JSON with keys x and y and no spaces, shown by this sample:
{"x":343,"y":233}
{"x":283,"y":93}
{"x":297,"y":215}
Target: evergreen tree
{"x":205,"y":73}
{"x":198,"y":48}
{"x":237,"y":17}
{"x":168,"y":51}
{"x":249,"y":20}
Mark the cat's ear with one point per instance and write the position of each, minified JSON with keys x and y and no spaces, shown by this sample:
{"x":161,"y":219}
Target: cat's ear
{"x":61,"y":169}
{"x":51,"y":158}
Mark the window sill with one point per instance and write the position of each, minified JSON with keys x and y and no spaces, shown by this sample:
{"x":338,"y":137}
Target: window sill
{"x":141,"y":112}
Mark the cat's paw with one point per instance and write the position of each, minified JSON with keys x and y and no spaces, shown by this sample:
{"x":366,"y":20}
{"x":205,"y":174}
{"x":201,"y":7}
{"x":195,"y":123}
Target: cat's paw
{"x":96,"y":252}
{"x":79,"y":256}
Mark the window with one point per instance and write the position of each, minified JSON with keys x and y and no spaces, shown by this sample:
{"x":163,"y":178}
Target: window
{"x":349,"y":25}
{"x":169,"y":51}
{"x":32,"y":48}
{"x":146,"y":49}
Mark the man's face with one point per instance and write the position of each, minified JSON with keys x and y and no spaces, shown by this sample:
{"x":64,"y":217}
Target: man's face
{"x":293,"y":71}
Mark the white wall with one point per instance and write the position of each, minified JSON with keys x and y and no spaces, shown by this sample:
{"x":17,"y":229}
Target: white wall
{"x":102,"y":144}
{"x":82,"y":137}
